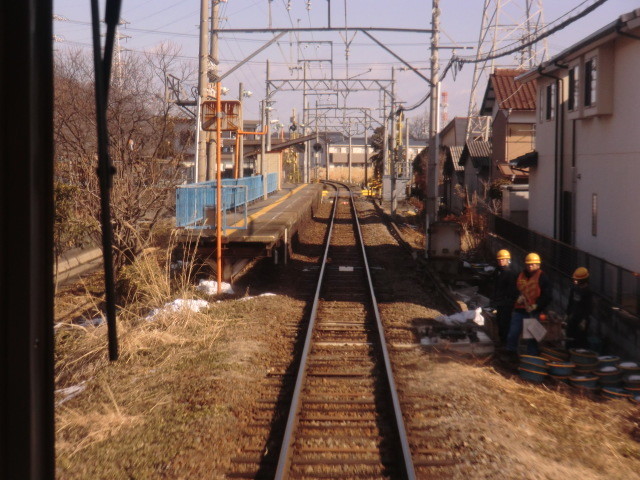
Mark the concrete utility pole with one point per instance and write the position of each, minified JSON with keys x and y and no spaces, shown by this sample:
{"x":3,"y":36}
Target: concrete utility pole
{"x":267,"y":129}
{"x":385,"y":138}
{"x":203,"y":82}
{"x":349,"y":153}
{"x":326,"y":149}
{"x":316,"y":174}
{"x":366,"y":153}
{"x":407,"y":165}
{"x":305,"y":161}
{"x":212,"y":76}
{"x":432,"y":170}
{"x":263,"y":138}
{"x":394,"y":145}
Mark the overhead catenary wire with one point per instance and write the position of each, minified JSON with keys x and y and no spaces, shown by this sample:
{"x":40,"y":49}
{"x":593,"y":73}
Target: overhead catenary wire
{"x":541,"y":36}
{"x":158,"y":31}
{"x":456,"y":60}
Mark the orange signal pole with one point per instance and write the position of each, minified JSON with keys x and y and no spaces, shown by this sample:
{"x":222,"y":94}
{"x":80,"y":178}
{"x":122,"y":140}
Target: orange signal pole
{"x":236,"y":163}
{"x":218,"y":188}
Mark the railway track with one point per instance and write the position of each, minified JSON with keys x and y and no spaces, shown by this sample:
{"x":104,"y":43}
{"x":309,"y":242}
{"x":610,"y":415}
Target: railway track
{"x":330,"y":410}
{"x":333,"y":412}
{"x":345,"y":419}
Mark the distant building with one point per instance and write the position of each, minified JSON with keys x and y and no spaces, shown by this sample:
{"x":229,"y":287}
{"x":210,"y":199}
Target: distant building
{"x":512,"y":107}
{"x":476,"y":161}
{"x":452,"y":140}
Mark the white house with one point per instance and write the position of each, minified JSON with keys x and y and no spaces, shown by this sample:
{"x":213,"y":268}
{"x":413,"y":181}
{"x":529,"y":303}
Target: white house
{"x":585,"y":179}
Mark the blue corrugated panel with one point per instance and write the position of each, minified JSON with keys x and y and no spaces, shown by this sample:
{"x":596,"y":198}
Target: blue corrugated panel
{"x":192,"y":199}
{"x":272,"y":182}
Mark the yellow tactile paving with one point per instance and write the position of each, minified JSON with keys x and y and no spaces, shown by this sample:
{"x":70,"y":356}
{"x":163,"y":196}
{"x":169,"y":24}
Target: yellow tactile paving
{"x":261,"y":212}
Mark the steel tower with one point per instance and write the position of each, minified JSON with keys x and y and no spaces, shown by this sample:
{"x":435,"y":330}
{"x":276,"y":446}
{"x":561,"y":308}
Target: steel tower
{"x":505,"y":24}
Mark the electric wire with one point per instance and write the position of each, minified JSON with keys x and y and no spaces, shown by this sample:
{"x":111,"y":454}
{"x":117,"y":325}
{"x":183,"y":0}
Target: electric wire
{"x":455,"y":60}
{"x":521,"y":46}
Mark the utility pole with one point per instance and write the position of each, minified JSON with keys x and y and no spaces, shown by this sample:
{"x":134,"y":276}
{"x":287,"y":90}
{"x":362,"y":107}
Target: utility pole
{"x":366,"y":152}
{"x":394,"y":145}
{"x":349,"y":153}
{"x":305,"y":161}
{"x":267,"y":143}
{"x":203,"y":82}
{"x":263,"y":139}
{"x":385,"y":139}
{"x":212,"y":76}
{"x":316,"y":153}
{"x":407,"y":165}
{"x":326,"y":148}
{"x":431,"y":177}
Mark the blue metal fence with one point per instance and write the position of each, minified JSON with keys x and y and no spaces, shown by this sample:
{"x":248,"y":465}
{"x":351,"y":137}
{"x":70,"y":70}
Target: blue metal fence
{"x":272,"y":182}
{"x":193,"y":200}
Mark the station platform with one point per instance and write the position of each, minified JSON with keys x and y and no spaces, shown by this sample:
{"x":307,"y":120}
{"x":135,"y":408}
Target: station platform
{"x":264,"y":230}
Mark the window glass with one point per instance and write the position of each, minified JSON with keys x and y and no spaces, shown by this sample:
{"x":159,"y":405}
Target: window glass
{"x":590,"y":81}
{"x":574,"y":74}
{"x":541,"y":104}
{"x":551,"y":102}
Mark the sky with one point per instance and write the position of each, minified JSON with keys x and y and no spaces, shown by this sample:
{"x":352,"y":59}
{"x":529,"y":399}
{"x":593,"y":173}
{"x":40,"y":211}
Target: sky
{"x":150,"y":23}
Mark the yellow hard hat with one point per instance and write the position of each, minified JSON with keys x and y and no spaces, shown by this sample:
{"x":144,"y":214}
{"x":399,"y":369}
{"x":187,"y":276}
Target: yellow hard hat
{"x":532,"y":258}
{"x":581,"y":273}
{"x":503,"y":254}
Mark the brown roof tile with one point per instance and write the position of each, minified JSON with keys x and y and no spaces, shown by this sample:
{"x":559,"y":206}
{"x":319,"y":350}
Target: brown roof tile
{"x":512,"y":94}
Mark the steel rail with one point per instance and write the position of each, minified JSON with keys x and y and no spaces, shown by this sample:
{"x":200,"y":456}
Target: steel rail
{"x":284,"y":459}
{"x":402,"y":432}
{"x":285,"y":452}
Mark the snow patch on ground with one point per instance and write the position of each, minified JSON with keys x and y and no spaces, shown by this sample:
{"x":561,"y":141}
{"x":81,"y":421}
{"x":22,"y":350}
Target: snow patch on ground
{"x":69,"y":392}
{"x":210,"y":287}
{"x":262,"y":295}
{"x":177,"y":305}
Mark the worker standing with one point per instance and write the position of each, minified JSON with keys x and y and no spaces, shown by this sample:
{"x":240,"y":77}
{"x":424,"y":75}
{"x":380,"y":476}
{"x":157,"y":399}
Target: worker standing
{"x":579,"y":309}
{"x":505,"y":293}
{"x":535,"y":295}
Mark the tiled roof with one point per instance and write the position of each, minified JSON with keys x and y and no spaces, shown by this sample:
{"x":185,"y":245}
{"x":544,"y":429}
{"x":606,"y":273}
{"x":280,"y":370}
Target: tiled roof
{"x":511,"y":93}
{"x":478,"y":151}
{"x":456,"y":151}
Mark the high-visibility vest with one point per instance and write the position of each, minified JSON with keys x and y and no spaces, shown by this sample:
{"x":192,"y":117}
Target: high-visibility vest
{"x":529,"y":287}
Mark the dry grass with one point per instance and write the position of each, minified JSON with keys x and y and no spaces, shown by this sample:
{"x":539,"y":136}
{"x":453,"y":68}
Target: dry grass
{"x":175,"y":392}
{"x":509,"y":429}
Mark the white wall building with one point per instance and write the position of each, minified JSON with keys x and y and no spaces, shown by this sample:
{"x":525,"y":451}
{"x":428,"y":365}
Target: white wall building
{"x":585,"y":186}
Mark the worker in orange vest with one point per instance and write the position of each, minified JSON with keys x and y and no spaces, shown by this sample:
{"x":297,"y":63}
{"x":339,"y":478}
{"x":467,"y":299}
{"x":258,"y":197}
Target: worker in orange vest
{"x":535,"y":295}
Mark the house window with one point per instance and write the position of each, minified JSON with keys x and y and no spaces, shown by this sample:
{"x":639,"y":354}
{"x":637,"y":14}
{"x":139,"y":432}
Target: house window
{"x":594,"y":214}
{"x":551,"y":102}
{"x":540,"y":104}
{"x":590,"y":81}
{"x":574,"y":74}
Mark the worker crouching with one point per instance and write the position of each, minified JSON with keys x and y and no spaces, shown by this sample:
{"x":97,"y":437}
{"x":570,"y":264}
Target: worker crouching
{"x":535,"y":295}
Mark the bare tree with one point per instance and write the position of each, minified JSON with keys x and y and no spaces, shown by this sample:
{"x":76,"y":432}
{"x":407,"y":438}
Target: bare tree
{"x":145,"y":145}
{"x":419,"y":126}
